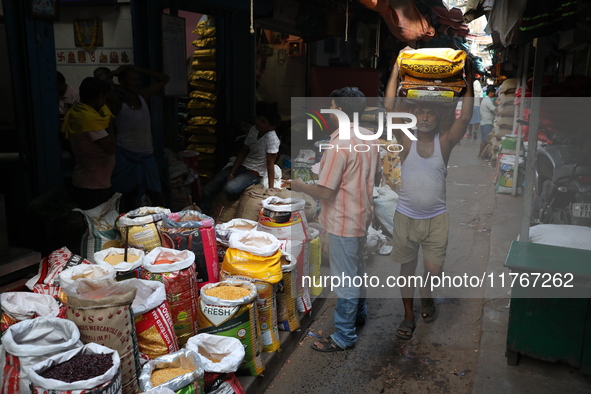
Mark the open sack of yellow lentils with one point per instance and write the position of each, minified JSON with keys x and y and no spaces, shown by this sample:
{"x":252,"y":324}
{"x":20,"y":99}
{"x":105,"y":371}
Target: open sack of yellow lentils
{"x":160,"y":302}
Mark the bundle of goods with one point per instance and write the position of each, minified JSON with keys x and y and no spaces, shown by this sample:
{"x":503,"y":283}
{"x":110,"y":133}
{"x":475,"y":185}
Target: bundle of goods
{"x":219,"y":356}
{"x":504,"y":115}
{"x":47,"y":280}
{"x":285,"y":219}
{"x":192,"y":230}
{"x":267,"y":310}
{"x":506,"y":174}
{"x":101,"y":232}
{"x":176,"y":269}
{"x":26,"y":343}
{"x":255,"y":254}
{"x":385,"y":202}
{"x":89,"y":369}
{"x":229,"y":309}
{"x":432,"y":74}
{"x":153,"y":321}
{"x":125,"y":267}
{"x":286,"y":295}
{"x":180,"y":371}
{"x":224,"y":230}
{"x":19,"y":306}
{"x":140,"y":227}
{"x":102,"y":312}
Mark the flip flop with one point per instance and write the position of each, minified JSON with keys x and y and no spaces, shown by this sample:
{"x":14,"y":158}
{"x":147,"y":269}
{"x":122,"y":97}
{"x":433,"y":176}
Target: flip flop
{"x":428,"y":309}
{"x":329,"y":346}
{"x":407,"y":327}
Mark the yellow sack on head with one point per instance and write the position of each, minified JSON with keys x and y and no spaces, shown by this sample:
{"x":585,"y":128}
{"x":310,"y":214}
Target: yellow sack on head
{"x":431,"y":62}
{"x":240,"y":262}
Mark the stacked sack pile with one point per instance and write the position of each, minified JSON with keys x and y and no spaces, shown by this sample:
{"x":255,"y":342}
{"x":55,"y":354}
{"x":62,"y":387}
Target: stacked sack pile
{"x":504,"y":118}
{"x":152,"y":312}
{"x":201,"y":106}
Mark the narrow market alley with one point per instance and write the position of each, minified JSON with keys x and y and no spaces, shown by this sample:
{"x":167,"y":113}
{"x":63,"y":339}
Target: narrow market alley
{"x":462,"y":351}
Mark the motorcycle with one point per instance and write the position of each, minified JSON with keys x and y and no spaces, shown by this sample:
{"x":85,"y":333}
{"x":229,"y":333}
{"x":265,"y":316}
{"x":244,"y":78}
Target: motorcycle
{"x":563,"y":186}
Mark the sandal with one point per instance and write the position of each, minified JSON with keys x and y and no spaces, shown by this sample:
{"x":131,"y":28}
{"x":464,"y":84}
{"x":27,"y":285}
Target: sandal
{"x":406,"y":329}
{"x":328,"y":346}
{"x":428,"y":309}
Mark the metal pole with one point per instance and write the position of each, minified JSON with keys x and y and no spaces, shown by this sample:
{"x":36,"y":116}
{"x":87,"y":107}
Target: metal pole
{"x":518,"y":114}
{"x":534,"y":123}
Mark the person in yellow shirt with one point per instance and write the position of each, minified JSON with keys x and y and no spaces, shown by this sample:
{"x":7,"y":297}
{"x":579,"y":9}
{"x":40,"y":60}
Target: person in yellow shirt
{"x":87,"y":126}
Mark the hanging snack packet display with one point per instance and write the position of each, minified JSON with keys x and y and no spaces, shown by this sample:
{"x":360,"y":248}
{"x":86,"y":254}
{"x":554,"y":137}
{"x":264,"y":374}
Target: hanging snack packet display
{"x":29,"y":342}
{"x":180,"y":371}
{"x":284,"y":218}
{"x":18,"y":306}
{"x":286,"y":295}
{"x":140,"y":227}
{"x":192,"y":230}
{"x":267,"y":311}
{"x":229,"y":309}
{"x":255,"y":254}
{"x":114,"y":258}
{"x":47,"y":280}
{"x":153,"y":322}
{"x":86,"y":370}
{"x":176,"y":269}
{"x":101,"y":233}
{"x":102,"y":312}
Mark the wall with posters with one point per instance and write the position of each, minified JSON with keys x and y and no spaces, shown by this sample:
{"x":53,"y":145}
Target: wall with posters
{"x":117,"y":49}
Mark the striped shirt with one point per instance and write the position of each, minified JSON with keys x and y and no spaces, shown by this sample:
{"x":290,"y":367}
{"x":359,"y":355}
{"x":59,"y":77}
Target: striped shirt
{"x":351,"y":174}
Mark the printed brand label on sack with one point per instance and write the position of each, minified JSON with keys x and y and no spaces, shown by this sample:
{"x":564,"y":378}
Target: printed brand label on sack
{"x":430,"y":95}
{"x":218,"y":314}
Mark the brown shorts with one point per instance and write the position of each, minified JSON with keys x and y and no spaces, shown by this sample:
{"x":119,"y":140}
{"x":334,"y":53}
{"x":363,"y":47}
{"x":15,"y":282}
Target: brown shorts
{"x":410,"y":234}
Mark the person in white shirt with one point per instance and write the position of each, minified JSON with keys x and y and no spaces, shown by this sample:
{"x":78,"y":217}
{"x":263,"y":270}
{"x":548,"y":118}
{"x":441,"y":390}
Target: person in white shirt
{"x":487,"y":117}
{"x":255,"y":161}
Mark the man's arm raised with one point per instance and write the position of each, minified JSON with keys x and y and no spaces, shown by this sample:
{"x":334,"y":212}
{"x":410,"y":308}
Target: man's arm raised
{"x":458,"y":129}
{"x":390,"y":102}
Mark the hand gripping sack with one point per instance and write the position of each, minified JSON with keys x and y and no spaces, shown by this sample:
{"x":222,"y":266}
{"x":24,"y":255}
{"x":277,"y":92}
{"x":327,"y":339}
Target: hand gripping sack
{"x":192,"y":230}
{"x":102,"y":311}
{"x":125,"y":269}
{"x":140,"y":227}
{"x":153,"y":322}
{"x":218,"y":354}
{"x":235,"y":318}
{"x":188,"y":383}
{"x":29,"y":342}
{"x":108,"y":382}
{"x":255,"y":254}
{"x":19,"y":305}
{"x":180,"y":280}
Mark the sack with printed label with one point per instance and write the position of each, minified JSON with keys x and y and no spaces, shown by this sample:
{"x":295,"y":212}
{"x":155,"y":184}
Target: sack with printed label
{"x":176,"y":269}
{"x":299,"y":252}
{"x":255,"y":254}
{"x":101,"y":233}
{"x":217,"y":353}
{"x":67,"y":277}
{"x":101,"y":310}
{"x":29,"y":342}
{"x":192,"y":230}
{"x":267,"y":311}
{"x":224,"y":230}
{"x":47,"y":280}
{"x":434,"y":63}
{"x":187,"y":360}
{"x":140,"y":227}
{"x":153,"y":321}
{"x":106,"y":382}
{"x":286,"y":295}
{"x":315,"y":252}
{"x":284,"y":218}
{"x":236,"y":318}
{"x":19,"y":305}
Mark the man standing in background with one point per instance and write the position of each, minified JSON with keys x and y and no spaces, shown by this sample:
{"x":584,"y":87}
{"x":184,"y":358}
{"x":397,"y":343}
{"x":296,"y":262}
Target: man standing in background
{"x":487,"y":117}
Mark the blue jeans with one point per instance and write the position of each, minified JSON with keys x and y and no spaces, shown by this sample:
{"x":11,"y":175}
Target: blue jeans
{"x":485,"y":130}
{"x":233,"y":188}
{"x":346,"y":260}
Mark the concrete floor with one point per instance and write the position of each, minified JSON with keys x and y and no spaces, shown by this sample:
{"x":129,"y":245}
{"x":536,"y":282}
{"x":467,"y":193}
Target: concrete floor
{"x":462,"y":351}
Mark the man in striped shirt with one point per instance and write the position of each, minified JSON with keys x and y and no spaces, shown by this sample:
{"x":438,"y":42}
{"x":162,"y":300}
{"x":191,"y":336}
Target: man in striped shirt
{"x":345,"y":190}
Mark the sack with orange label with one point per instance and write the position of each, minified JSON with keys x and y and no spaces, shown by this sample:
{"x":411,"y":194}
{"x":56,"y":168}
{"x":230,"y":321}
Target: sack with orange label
{"x":255,"y":254}
{"x":176,"y":269}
